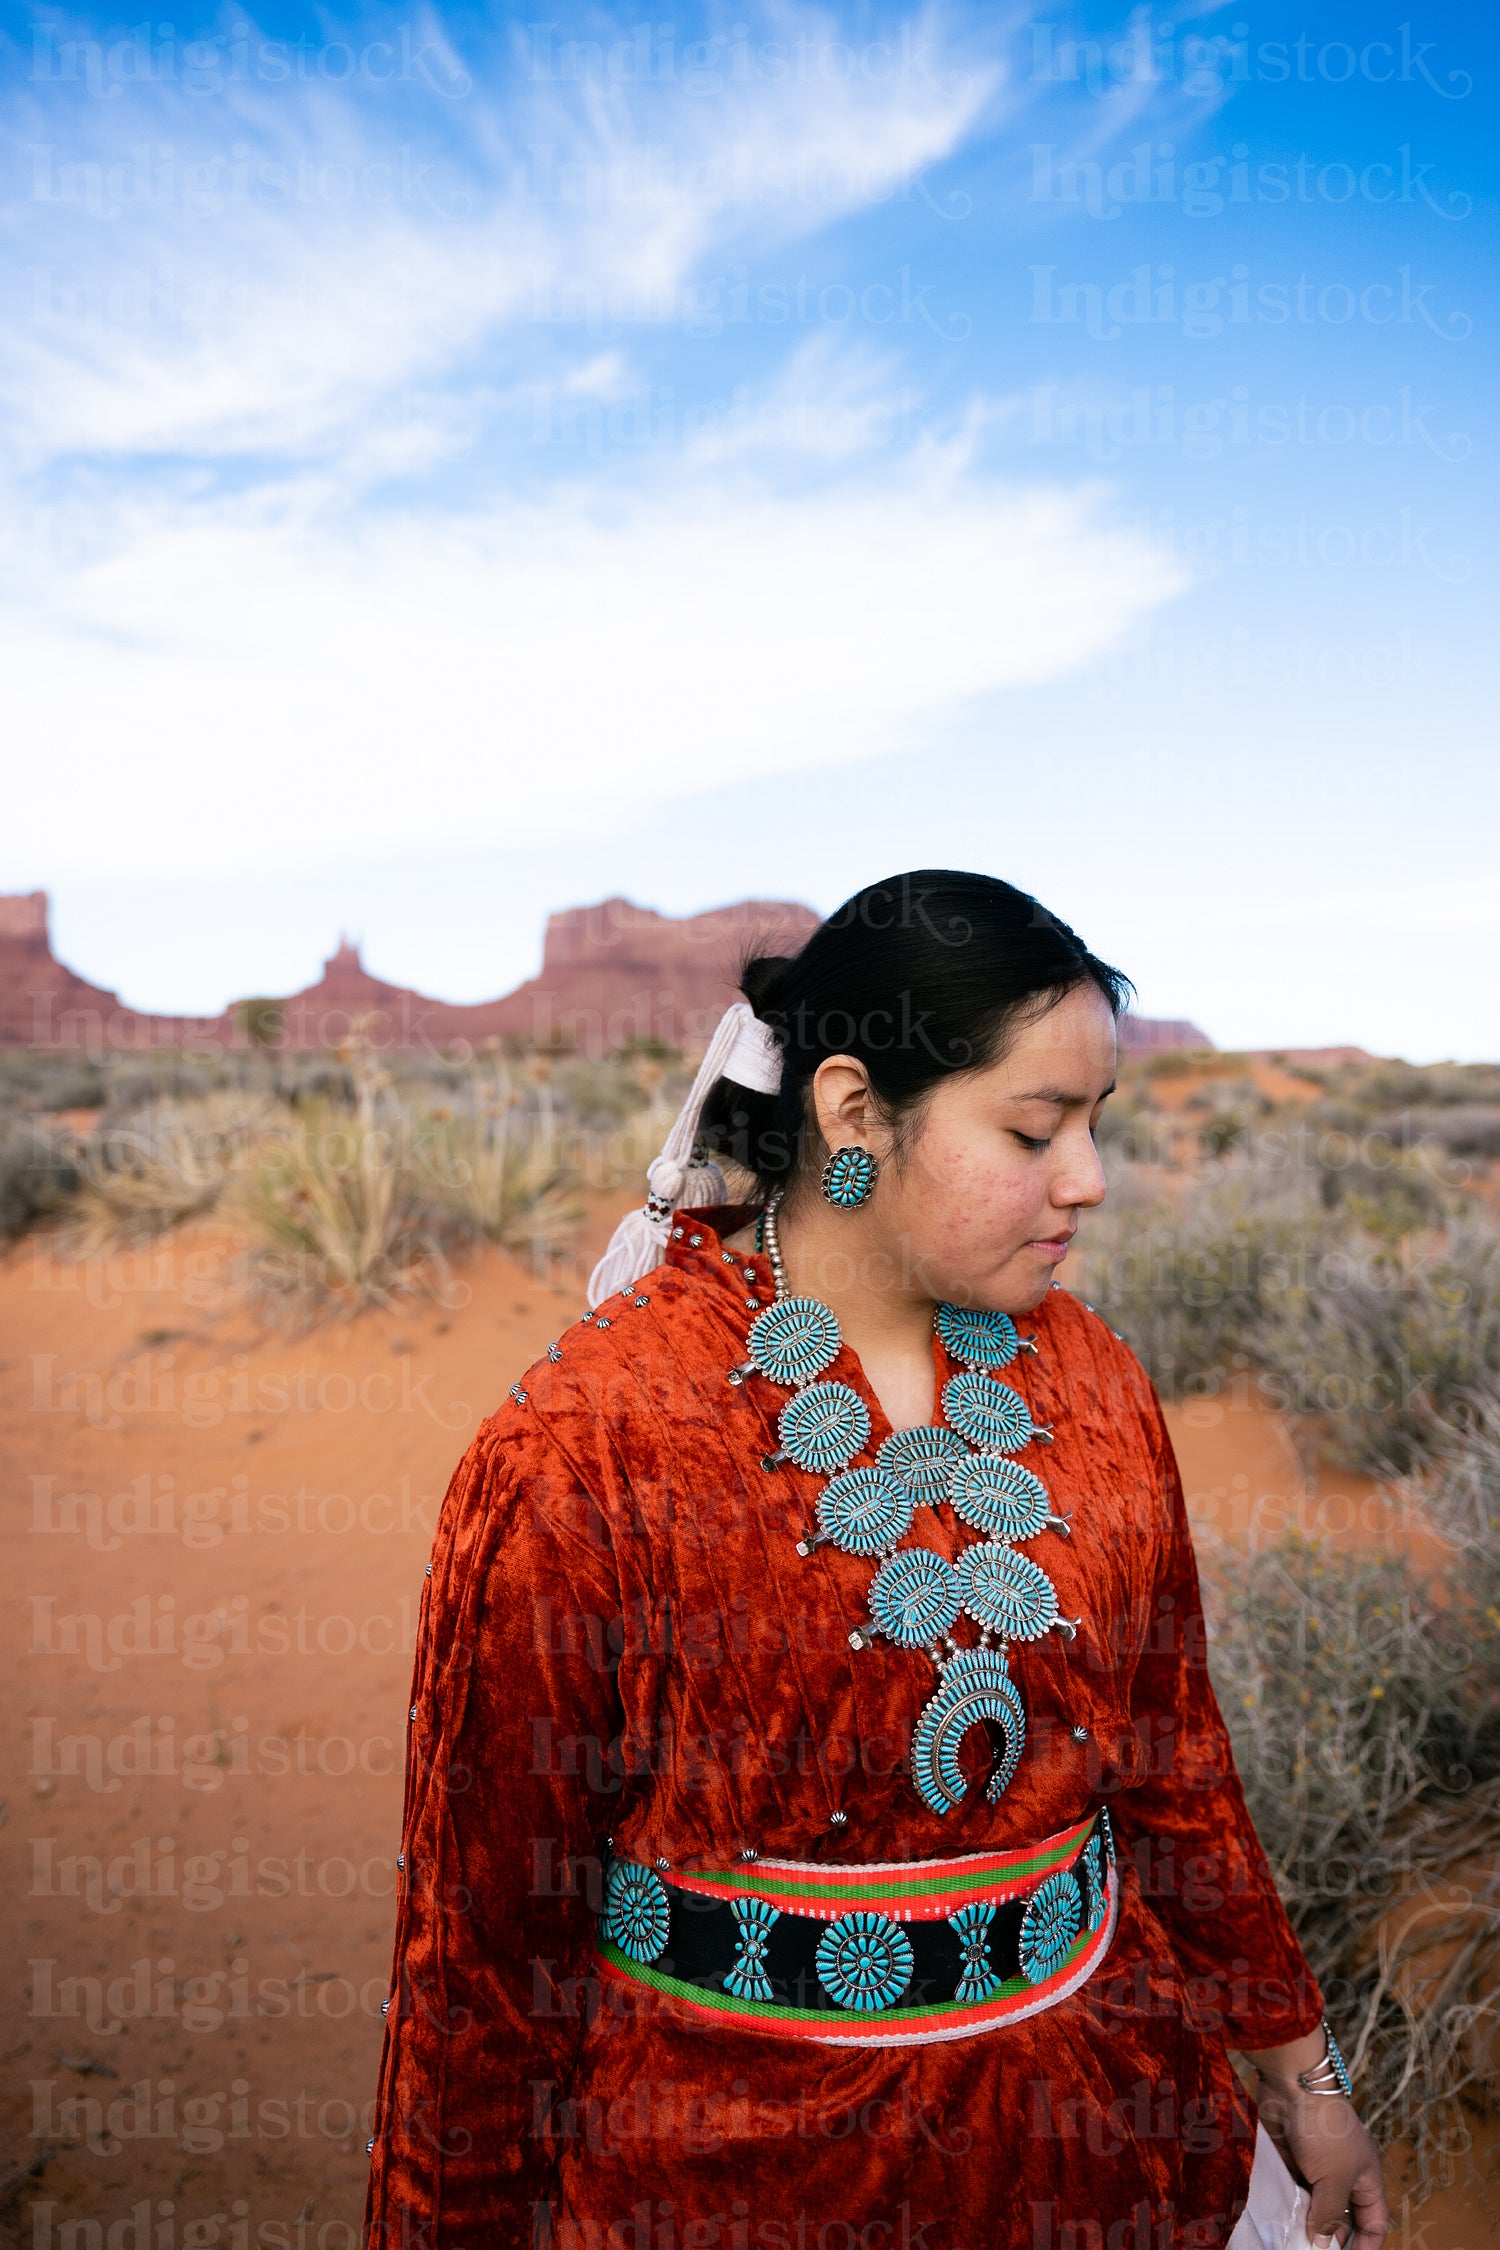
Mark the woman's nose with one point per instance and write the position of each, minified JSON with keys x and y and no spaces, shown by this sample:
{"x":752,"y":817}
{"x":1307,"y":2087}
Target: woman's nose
{"x":1081,"y":1184}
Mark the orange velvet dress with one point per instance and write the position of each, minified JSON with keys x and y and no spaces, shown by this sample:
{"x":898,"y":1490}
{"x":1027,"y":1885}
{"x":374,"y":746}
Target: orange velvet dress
{"x":621,"y":1649}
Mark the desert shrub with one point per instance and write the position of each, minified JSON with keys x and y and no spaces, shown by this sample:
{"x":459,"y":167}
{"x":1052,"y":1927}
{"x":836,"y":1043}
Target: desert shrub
{"x":1388,"y":1201}
{"x":335,"y":1214}
{"x":1467,"y":1129}
{"x":1170,"y":1062}
{"x":355,"y":1209}
{"x":166,"y":1164}
{"x":1362,"y":1699}
{"x":136,"y":1082}
{"x":33,"y":1080}
{"x":1386,"y":1167}
{"x":1390,"y":1084}
{"x":490,"y":1179}
{"x":600,"y":1097}
{"x":1226,"y":1129}
{"x":592,"y":1119}
{"x":39,"y":1176}
{"x":1379,"y":1350}
{"x":1132,"y":1131}
{"x":1192,"y":1280}
{"x":358,"y":1174}
{"x":421,"y":1080}
{"x":262,"y":1021}
{"x":314,"y":1081}
{"x":142,"y":1082}
{"x":1367,"y":1319}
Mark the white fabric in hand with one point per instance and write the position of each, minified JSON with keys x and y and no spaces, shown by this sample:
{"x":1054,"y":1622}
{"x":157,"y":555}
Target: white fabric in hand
{"x":1275,"y":2218}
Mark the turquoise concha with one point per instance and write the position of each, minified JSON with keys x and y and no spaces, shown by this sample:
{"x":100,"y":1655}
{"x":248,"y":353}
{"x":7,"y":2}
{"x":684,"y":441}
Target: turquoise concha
{"x":914,"y":1597}
{"x":864,"y":1511}
{"x":923,"y":1459}
{"x":794,"y":1340}
{"x":990,"y":1415}
{"x":998,"y":1497}
{"x":977,"y":1338}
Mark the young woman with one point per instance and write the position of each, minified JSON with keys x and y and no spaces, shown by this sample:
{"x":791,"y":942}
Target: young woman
{"x":820,"y":1832}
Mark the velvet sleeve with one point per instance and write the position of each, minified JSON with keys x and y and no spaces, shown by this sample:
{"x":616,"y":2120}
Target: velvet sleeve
{"x":512,"y":1764}
{"x":1184,"y":1824}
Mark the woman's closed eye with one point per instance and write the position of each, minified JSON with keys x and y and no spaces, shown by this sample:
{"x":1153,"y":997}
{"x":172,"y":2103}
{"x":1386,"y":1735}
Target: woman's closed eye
{"x":1034,"y":1146}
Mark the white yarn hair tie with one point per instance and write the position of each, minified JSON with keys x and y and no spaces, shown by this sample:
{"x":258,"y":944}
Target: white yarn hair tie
{"x":743,"y":1049}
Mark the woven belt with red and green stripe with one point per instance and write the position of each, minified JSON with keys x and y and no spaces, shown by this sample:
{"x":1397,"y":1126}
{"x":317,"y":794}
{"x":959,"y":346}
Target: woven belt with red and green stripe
{"x":881,"y":1956}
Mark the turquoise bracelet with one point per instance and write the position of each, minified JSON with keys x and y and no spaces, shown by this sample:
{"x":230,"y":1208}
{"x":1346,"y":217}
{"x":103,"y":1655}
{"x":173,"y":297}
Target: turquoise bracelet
{"x":1329,"y":2076}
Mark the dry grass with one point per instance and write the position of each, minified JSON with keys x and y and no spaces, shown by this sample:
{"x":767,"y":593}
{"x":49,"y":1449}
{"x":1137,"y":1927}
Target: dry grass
{"x":1364,"y":1699}
{"x":336,"y":1223}
{"x":357,"y":1208}
{"x":357,"y":1182}
{"x":494,"y":1179}
{"x":161,"y":1167}
{"x":39,"y":1175}
{"x":1368,"y":1315}
{"x":1379,"y":1358}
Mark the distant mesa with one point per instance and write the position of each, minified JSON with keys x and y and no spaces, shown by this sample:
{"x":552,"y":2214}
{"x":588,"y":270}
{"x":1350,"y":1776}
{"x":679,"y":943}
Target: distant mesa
{"x":42,"y":1004}
{"x":612,"y":975}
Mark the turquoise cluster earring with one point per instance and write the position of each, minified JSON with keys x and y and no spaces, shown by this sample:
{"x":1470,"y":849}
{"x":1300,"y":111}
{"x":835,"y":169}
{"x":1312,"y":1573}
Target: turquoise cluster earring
{"x":848,"y":1177}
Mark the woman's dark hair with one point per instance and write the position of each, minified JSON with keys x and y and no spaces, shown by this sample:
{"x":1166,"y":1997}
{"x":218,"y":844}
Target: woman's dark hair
{"x":920,"y":976}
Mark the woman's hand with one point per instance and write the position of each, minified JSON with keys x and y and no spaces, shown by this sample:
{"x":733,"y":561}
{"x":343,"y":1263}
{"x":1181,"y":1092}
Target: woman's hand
{"x":1324,"y":2141}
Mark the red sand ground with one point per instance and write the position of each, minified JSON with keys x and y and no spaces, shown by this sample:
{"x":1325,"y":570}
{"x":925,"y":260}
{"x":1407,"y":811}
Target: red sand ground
{"x":215,"y":1542}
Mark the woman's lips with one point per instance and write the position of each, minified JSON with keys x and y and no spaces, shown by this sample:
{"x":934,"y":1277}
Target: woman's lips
{"x":1054,"y":1246}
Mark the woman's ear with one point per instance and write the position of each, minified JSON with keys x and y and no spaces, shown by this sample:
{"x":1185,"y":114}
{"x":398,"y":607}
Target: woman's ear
{"x":844,"y":1105}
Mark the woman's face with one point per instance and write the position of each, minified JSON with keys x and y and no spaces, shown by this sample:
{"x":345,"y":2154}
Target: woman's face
{"x":981,"y":1204}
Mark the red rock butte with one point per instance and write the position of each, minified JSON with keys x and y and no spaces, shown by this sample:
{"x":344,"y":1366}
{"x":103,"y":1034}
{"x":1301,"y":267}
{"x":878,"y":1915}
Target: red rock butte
{"x":611,"y":975}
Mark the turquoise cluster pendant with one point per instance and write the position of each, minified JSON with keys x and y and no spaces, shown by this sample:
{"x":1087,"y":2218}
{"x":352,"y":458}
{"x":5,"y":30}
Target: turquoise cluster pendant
{"x":976,"y":1687}
{"x":917,"y":1597}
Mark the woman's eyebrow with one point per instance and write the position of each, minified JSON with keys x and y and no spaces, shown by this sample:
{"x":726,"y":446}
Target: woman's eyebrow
{"x":1062,"y":1097}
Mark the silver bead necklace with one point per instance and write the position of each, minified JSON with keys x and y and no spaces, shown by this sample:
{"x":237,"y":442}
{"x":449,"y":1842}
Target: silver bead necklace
{"x":773,"y":1246}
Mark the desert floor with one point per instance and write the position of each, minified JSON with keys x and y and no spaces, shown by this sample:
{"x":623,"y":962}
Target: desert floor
{"x":214,"y":1546}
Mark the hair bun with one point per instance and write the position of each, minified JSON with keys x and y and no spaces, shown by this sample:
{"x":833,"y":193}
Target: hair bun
{"x":762,"y":980}
{"x":965,"y":959}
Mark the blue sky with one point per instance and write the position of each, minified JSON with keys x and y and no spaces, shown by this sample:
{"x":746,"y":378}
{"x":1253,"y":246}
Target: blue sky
{"x":461,"y":463}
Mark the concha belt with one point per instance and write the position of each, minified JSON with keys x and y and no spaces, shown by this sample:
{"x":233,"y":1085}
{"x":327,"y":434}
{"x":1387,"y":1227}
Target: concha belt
{"x":890,"y":1955}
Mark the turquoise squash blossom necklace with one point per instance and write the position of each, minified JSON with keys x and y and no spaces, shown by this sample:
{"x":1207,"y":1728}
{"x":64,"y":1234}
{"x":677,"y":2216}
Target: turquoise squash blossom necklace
{"x":917,"y":1596}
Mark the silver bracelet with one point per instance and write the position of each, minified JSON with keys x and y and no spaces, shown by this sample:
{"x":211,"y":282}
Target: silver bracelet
{"x":1328,"y":2076}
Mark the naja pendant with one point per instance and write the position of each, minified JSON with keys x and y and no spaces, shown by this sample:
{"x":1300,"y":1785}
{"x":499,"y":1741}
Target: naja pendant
{"x":976,"y":1685}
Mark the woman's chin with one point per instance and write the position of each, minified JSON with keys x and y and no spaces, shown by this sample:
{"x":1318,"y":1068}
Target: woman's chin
{"x":1021,"y":1284}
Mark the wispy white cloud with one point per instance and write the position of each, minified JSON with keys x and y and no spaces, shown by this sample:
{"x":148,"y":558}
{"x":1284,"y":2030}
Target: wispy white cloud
{"x":244,"y":688}
{"x":333,"y":597}
{"x":261,"y":272}
{"x":827,"y":404}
